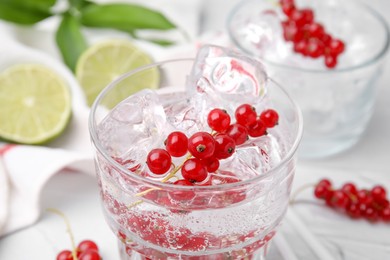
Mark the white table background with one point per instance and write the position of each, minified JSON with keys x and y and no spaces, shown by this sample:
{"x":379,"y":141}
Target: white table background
{"x":77,"y":195}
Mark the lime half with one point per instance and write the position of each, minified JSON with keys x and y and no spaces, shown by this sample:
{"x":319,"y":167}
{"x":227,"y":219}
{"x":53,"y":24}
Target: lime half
{"x":105,"y":61}
{"x":35,"y":104}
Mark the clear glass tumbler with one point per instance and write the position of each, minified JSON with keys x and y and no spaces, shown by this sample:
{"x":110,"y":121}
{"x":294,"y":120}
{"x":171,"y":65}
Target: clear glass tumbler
{"x":337,"y":104}
{"x":233,"y":220}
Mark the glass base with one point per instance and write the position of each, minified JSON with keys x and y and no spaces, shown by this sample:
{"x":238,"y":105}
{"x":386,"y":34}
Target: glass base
{"x":126,"y":253}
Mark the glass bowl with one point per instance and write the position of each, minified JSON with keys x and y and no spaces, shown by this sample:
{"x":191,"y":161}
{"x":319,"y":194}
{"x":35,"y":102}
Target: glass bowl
{"x":231,"y":220}
{"x":337,"y":104}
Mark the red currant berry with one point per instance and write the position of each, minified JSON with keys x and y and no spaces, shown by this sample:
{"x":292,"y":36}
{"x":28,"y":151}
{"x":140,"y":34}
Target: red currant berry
{"x":301,"y":47}
{"x":245,"y":115}
{"x":385,"y":214}
{"x":201,"y":145}
{"x":315,"y":48}
{"x":224,"y":146}
{"x":87,"y":245}
{"x":194,"y":170}
{"x":322,"y":191}
{"x":349,"y":188}
{"x":325,"y":182}
{"x":238,"y":132}
{"x":269,"y":117}
{"x":378,"y":193}
{"x":364,"y":196}
{"x":288,"y":7}
{"x":212,"y":164}
{"x":315,"y":30}
{"x":335,"y":47}
{"x":301,"y":17}
{"x":182,"y":194}
{"x":330,"y":61}
{"x":218,"y":120}
{"x":159,"y":161}
{"x":325,"y":38}
{"x":65,"y":255}
{"x":337,"y":199}
{"x":371,"y":214}
{"x":257,"y":129}
{"x":353,"y":210}
{"x":291,"y":32}
{"x":308,"y":15}
{"x":177,"y":144}
{"x":89,"y":255}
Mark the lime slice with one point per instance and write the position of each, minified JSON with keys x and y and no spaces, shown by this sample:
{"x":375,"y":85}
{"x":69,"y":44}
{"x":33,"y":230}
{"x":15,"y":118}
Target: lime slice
{"x":35,"y":104}
{"x":102,"y":63}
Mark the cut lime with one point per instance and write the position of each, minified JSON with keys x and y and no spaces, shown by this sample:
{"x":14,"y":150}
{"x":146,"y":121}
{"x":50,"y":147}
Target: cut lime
{"x":105,"y":61}
{"x":35,"y":104}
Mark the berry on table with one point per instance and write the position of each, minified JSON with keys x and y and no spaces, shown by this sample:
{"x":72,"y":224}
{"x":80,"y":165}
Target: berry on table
{"x":372,"y":205}
{"x":65,"y":255}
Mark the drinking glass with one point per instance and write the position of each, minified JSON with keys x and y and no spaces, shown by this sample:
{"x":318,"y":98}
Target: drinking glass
{"x":337,"y":104}
{"x":232,"y":220}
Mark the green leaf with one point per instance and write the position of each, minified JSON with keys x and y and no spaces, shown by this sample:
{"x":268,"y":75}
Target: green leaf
{"x":32,"y":5}
{"x":125,"y":17}
{"x":21,"y":15}
{"x":70,"y":40}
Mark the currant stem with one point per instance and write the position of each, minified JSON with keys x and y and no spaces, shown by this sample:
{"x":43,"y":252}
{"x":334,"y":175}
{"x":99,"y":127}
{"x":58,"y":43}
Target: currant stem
{"x":299,"y":190}
{"x":68,"y":229}
{"x":165,"y":179}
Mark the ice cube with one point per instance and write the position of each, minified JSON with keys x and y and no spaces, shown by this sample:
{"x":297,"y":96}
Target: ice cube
{"x":134,"y":126}
{"x":226,"y":79}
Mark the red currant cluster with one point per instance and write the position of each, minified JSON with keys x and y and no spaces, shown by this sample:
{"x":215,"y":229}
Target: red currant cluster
{"x":308,"y":36}
{"x":205,"y":149}
{"x":369,"y":204}
{"x":86,"y":250}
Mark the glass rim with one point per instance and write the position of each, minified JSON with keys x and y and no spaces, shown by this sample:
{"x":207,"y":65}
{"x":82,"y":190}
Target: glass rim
{"x":93,"y":126}
{"x":363,"y":64}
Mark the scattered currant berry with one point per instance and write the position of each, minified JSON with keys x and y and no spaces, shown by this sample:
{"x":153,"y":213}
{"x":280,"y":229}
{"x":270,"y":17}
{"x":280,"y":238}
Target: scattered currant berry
{"x":194,"y":170}
{"x":218,"y":120}
{"x":201,"y":145}
{"x":224,"y":146}
{"x":238,"y":132}
{"x":89,"y":255}
{"x":86,"y":245}
{"x":159,"y":161}
{"x":245,"y":115}
{"x":65,"y":255}
{"x":378,"y":193}
{"x":86,"y":249}
{"x":372,"y":205}
{"x":176,"y":144}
